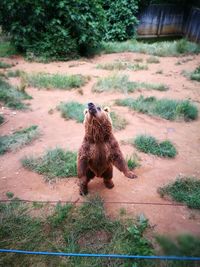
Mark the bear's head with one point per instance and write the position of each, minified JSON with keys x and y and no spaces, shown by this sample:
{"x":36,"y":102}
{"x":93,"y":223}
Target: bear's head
{"x":98,"y":124}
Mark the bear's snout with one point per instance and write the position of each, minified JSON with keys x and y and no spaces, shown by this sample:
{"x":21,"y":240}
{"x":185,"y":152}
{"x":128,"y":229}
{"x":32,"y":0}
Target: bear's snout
{"x":92,"y":109}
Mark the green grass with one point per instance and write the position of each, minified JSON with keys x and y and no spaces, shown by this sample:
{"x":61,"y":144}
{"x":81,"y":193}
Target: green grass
{"x":165,"y":108}
{"x":163,"y":48}
{"x":122,"y":65}
{"x":4,"y":65}
{"x":152,"y":59}
{"x":18,"y":139}
{"x":1,"y":119}
{"x":81,"y":229}
{"x":185,"y":189}
{"x":148,"y":144}
{"x":74,"y":111}
{"x":6,"y":49}
{"x":133,"y":161}
{"x":14,"y":73}
{"x":59,"y":81}
{"x":121,"y":83}
{"x":194,"y":75}
{"x":11,"y":97}
{"x":9,"y":194}
{"x":54,"y":163}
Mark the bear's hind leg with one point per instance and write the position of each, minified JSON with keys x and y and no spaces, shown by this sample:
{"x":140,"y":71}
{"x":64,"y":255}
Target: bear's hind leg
{"x":84,"y":182}
{"x":107,"y":177}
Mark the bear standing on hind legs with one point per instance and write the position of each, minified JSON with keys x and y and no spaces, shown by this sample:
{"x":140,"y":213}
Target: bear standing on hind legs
{"x":100,"y":150}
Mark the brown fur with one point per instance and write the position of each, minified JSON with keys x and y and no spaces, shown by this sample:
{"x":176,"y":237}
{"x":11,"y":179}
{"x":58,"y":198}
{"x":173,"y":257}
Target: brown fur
{"x":99,"y":151}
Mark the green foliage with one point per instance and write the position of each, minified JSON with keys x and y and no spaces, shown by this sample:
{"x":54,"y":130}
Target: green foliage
{"x":1,"y":119}
{"x":12,"y":97}
{"x":57,"y":29}
{"x":194,"y":75}
{"x":9,"y":195}
{"x":71,"y":229}
{"x":122,"y":65}
{"x":121,"y":19}
{"x":166,"y":108}
{"x":148,"y":144}
{"x":54,"y":163}
{"x":60,"y":81}
{"x":133,"y":161}
{"x":121,"y":83}
{"x":14,"y":73}
{"x":118,"y":122}
{"x":185,"y":189}
{"x":162,"y":48}
{"x":6,"y":49}
{"x":4,"y":65}
{"x":18,"y":139}
{"x":72,"y":110}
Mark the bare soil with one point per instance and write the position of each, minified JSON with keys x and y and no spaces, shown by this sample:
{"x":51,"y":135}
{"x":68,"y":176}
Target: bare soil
{"x":153,"y":173}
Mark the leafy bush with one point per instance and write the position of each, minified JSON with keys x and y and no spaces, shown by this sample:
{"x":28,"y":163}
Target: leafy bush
{"x":121,"y":19}
{"x":57,"y":29}
{"x":184,"y":189}
{"x":148,"y":144}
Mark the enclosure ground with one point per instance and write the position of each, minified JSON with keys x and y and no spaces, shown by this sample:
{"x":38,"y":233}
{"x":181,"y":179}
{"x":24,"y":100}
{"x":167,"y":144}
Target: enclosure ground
{"x":153,"y":173}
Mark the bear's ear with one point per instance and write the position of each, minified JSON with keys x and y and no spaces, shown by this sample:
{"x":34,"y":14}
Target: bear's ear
{"x":107,"y":109}
{"x":85,"y":111}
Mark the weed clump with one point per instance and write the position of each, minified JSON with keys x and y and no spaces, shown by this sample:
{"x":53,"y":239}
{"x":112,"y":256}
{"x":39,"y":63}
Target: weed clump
{"x":194,"y":75}
{"x":54,"y":163}
{"x":133,"y":161}
{"x":121,"y":83}
{"x":184,"y":189}
{"x":14,"y":73}
{"x":59,"y":81}
{"x":4,"y":65}
{"x":122,"y":65}
{"x":165,"y":108}
{"x":12,"y":97}
{"x":72,"y":110}
{"x":148,"y":144}
{"x":18,"y":139}
{"x":152,"y":59}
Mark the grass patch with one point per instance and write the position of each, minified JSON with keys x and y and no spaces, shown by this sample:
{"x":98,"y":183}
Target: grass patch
{"x":194,"y":75}
{"x":122,"y":65}
{"x":1,"y":119}
{"x":185,"y":189}
{"x":54,"y":163}
{"x":4,"y":65}
{"x":163,"y":48}
{"x":151,"y":60}
{"x":18,"y":139}
{"x":165,"y":108}
{"x":148,"y":144}
{"x":133,"y":161}
{"x":59,"y":81}
{"x":74,"y":111}
{"x":9,"y":195}
{"x":14,"y":73}
{"x":121,"y":83}
{"x":12,"y":97}
{"x":6,"y":49}
{"x":83,"y":229}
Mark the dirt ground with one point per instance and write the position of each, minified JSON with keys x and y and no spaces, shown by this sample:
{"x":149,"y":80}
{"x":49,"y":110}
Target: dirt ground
{"x":153,"y":173}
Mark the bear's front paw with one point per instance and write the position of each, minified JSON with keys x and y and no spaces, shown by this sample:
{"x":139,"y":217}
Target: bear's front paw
{"x":130,"y":175}
{"x":83,"y":190}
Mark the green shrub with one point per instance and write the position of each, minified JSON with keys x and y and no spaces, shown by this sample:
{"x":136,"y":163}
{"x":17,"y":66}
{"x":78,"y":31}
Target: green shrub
{"x":57,"y":29}
{"x":121,"y":83}
{"x":12,"y":97}
{"x":18,"y":139}
{"x":148,"y":144}
{"x":166,"y":108}
{"x":54,"y":163}
{"x":72,"y":110}
{"x":133,"y":161}
{"x":121,"y":19}
{"x":6,"y":49}
{"x":14,"y":73}
{"x":184,"y":189}
{"x":60,"y":81}
{"x":194,"y":75}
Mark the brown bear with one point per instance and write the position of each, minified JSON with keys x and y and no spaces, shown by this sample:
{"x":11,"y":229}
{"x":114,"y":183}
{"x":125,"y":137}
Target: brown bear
{"x":100,"y":150}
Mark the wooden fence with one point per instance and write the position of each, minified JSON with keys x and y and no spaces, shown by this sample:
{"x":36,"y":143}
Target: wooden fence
{"x":170,"y":20}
